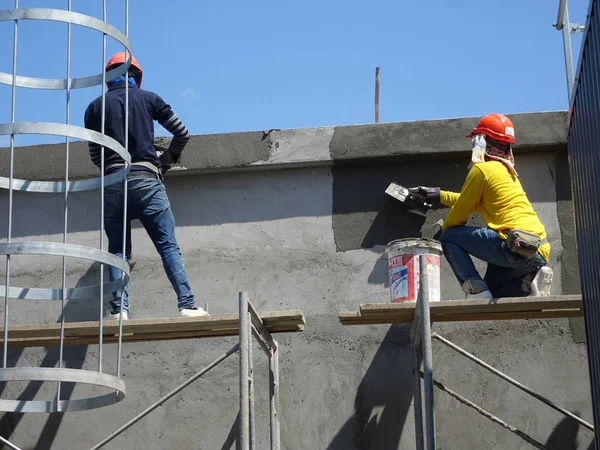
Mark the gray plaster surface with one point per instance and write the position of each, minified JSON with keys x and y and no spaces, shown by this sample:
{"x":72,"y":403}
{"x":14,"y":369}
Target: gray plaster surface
{"x":439,"y":137}
{"x":218,"y":151}
{"x":322,"y":146}
{"x":308,"y":238}
{"x":274,"y":233}
{"x":295,"y":147}
{"x":569,"y":260}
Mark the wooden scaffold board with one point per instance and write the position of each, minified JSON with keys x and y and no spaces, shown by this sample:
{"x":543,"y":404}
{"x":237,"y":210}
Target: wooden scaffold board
{"x":141,"y":330}
{"x":469,"y":310}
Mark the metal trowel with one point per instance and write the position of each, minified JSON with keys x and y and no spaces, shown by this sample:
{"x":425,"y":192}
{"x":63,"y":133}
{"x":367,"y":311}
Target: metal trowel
{"x":414,"y":202}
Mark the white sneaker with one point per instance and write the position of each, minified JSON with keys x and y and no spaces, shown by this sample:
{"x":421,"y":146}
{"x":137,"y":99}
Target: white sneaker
{"x":480,"y":295}
{"x":542,"y":283}
{"x":111,"y":316}
{"x":198,"y":312}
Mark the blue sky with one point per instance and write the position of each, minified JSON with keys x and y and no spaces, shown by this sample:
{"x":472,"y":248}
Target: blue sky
{"x":242,"y":66}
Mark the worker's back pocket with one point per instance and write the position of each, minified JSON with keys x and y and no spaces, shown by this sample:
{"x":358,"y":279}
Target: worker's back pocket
{"x":501,"y":255}
{"x":149,"y":195}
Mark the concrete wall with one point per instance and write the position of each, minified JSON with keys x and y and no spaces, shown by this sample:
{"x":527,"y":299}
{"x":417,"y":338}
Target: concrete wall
{"x":307,"y":236}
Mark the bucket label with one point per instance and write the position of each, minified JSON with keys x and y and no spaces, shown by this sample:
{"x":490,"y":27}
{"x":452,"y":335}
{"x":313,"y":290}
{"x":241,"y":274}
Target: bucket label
{"x":404,"y":277}
{"x":404,"y":274}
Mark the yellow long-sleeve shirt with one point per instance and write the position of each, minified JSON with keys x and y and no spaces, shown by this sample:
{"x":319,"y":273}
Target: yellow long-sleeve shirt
{"x":491,"y":190}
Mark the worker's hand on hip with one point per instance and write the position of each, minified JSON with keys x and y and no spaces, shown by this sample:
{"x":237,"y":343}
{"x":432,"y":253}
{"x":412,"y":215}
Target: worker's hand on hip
{"x":159,"y":150}
{"x":431,"y":194}
{"x":168,"y":158}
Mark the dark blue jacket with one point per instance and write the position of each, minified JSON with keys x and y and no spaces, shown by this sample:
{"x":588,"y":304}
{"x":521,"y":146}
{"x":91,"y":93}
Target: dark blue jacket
{"x":145,"y":107}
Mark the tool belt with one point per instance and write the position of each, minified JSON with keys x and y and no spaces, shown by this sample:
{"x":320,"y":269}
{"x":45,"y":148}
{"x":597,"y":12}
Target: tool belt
{"x":524,"y":243}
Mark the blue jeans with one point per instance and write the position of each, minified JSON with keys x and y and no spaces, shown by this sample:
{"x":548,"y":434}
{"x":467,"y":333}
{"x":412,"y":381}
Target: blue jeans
{"x":147,"y":201}
{"x":505,"y":270}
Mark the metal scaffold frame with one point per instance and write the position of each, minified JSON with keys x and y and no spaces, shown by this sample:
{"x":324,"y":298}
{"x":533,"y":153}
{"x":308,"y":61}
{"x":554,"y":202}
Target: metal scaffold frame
{"x":421,"y":344}
{"x":422,"y":313}
{"x":250,"y":324}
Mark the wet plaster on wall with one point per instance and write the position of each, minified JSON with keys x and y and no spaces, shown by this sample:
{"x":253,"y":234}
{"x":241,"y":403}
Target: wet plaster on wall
{"x":269,"y":233}
{"x":214,"y":151}
{"x":364,"y":216}
{"x":570,"y":260}
{"x":274,"y":234}
{"x":437,"y":137}
{"x":299,"y":147}
{"x":341,"y":387}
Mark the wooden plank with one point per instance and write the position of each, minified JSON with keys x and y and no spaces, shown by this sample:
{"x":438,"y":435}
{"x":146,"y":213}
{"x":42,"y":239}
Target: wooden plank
{"x":545,"y":314}
{"x":356,"y":318}
{"x":484,"y":305}
{"x":150,"y":325}
{"x":442,"y":317}
{"x":138,"y":330}
{"x":142,"y":337}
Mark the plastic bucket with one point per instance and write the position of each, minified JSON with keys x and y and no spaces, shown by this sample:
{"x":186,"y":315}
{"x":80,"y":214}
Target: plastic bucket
{"x":404,"y":269}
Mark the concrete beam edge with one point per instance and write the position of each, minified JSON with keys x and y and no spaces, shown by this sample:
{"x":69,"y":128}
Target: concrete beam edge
{"x":278,"y":149}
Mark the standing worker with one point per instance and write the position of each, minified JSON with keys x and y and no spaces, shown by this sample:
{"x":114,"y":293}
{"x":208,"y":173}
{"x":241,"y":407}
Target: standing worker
{"x":146,"y":195}
{"x":514,"y":242}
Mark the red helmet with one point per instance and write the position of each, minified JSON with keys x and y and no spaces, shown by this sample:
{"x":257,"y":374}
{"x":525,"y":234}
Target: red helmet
{"x":496,"y":126}
{"x":118,"y":59}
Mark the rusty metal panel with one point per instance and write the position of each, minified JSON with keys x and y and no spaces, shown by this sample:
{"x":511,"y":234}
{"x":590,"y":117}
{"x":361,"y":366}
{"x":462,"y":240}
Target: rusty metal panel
{"x":584,"y":163}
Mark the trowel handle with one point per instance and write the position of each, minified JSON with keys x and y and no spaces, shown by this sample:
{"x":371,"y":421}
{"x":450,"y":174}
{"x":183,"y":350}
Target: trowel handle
{"x":437,"y":227}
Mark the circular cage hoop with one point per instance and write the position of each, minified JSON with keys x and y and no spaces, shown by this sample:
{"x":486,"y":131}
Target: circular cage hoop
{"x":57,"y":15}
{"x":68,"y":250}
{"x":65,"y":376}
{"x":72,"y":131}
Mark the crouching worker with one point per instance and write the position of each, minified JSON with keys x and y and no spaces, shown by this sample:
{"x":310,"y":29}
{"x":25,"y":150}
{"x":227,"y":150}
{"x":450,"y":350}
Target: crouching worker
{"x":146,"y":195}
{"x":514,"y":242}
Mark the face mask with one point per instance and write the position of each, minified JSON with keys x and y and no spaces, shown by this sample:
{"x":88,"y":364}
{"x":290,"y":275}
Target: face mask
{"x":122,"y":78}
{"x":477,"y":150}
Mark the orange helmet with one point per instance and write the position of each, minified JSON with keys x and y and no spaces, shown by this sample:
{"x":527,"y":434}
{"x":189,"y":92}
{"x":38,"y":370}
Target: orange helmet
{"x":119,"y":58}
{"x":496,"y":126}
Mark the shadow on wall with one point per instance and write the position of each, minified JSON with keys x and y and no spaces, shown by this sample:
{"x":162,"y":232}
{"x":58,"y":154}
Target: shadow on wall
{"x":394,"y":222}
{"x":364,"y":216}
{"x":242,"y":197}
{"x":74,"y":358}
{"x":383,"y":399}
{"x":230,"y":440}
{"x":564,"y":436}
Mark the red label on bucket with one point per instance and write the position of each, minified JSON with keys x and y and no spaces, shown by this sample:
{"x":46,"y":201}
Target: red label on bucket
{"x":404,"y":277}
{"x":404,"y":274}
